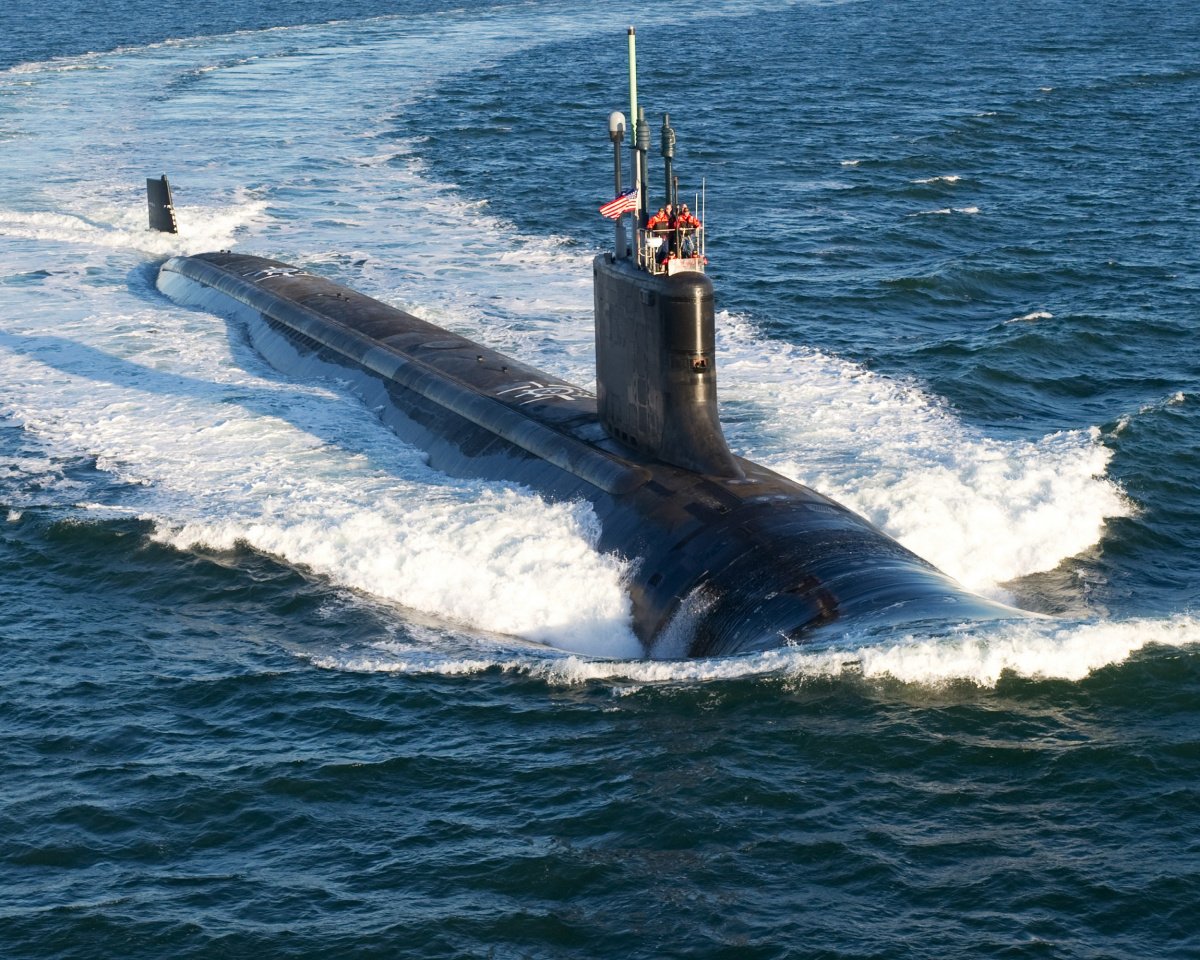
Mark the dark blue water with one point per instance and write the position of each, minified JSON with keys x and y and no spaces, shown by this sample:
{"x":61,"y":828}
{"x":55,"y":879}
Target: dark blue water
{"x":274,"y":688}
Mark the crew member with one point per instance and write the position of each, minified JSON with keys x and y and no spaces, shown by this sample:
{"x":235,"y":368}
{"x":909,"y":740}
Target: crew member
{"x":686,"y":225}
{"x":685,"y":218}
{"x":661,"y":226}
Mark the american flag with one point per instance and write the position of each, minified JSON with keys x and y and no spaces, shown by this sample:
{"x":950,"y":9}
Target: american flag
{"x":622,"y":203}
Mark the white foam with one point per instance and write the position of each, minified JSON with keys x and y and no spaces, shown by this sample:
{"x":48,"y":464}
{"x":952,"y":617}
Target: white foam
{"x":501,"y":561}
{"x":1173,"y":400}
{"x":945,"y":211}
{"x":1044,"y":649}
{"x":986,"y":511}
{"x":86,"y":61}
{"x":124,"y":228}
{"x":31,"y":480}
{"x":222,"y":455}
{"x":949,"y":178}
{"x":1041,"y":650}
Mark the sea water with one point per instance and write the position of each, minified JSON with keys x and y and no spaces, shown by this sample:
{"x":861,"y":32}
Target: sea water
{"x":274,"y":686}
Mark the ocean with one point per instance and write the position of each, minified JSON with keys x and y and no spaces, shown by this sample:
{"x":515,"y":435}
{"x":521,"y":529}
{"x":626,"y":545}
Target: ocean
{"x":275,"y":688}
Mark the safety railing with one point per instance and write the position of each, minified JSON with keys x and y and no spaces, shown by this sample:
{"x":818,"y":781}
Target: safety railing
{"x":667,"y":251}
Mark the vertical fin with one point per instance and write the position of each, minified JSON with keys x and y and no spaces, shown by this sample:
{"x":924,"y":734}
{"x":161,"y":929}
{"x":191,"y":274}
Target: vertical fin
{"x":162,"y":207}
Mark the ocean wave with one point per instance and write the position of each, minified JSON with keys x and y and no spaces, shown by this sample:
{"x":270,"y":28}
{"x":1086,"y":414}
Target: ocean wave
{"x":124,"y":227}
{"x":1124,"y":422}
{"x":1043,"y":650}
{"x":983,"y":510}
{"x":945,"y":211}
{"x":217,"y":452}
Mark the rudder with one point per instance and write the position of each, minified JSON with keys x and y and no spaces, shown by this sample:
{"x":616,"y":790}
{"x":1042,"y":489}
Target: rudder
{"x":162,"y":206}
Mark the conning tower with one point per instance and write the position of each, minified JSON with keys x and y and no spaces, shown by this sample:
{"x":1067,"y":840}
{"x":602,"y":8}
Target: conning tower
{"x":656,"y":377}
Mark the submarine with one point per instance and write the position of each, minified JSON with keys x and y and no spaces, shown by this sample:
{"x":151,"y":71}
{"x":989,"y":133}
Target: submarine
{"x":725,"y":556}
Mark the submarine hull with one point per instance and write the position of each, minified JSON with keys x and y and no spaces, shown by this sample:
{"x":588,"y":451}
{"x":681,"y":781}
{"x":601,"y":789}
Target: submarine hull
{"x":737,"y":560}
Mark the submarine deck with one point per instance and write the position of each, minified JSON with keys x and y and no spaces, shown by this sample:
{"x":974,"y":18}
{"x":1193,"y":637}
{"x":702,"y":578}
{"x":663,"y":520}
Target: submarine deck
{"x":782,"y":559}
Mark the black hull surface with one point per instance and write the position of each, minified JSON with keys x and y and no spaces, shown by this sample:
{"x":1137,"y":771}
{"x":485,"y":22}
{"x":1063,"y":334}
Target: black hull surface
{"x":722,"y":564}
